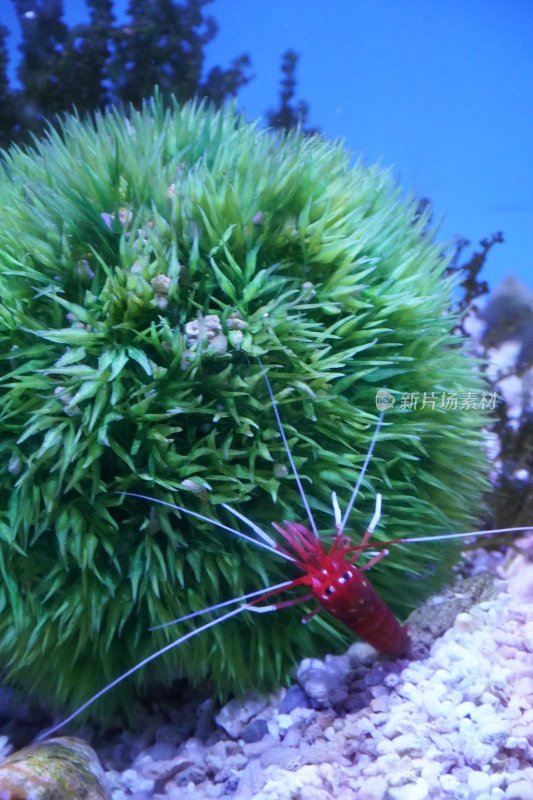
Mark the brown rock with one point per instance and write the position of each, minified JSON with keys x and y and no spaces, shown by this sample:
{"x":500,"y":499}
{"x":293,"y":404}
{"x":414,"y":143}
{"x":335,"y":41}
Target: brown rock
{"x":58,"y":769}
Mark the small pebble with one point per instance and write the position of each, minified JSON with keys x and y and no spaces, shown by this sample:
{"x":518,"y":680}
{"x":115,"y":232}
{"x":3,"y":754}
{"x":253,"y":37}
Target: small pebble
{"x":494,"y":732}
{"x":162,"y":751}
{"x":418,"y":790}
{"x":255,"y":731}
{"x":131,"y":780}
{"x":374,"y":788}
{"x":407,"y":743}
{"x":519,"y":790}
{"x":294,"y":697}
{"x":234,"y":716}
{"x":362,"y":653}
{"x":465,"y":623}
{"x":478,"y":782}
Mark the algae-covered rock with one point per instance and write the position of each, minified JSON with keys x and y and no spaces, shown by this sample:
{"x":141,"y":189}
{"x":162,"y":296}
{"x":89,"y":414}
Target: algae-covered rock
{"x":146,"y":262}
{"x":60,"y":769}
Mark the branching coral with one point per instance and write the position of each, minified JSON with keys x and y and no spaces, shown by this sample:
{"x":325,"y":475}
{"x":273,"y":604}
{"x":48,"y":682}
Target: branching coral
{"x":146,"y":261}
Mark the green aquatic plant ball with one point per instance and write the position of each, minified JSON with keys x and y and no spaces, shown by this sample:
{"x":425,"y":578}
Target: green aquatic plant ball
{"x":152,"y":265}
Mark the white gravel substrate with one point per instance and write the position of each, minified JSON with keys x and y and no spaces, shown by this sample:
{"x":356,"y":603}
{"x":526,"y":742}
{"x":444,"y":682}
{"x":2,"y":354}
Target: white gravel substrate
{"x":457,"y":724}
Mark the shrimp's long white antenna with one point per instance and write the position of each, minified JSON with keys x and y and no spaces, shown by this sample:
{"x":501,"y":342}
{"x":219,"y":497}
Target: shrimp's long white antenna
{"x":464,"y":535}
{"x":289,"y":454}
{"x":362,"y":473}
{"x":49,"y":731}
{"x":271,"y":547}
{"x":225,"y":603}
{"x":252,"y":525}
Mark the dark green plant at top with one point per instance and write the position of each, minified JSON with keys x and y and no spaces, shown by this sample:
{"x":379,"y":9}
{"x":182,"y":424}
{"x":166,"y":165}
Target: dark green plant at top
{"x":103,"y":61}
{"x":145,"y":263}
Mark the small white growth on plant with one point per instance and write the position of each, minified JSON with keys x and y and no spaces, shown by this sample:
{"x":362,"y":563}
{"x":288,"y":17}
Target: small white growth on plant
{"x":161,"y":284}
{"x":236,"y":325}
{"x":209,"y":330}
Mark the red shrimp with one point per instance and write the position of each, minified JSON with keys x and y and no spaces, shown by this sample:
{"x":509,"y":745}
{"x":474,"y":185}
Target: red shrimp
{"x":340,"y":587}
